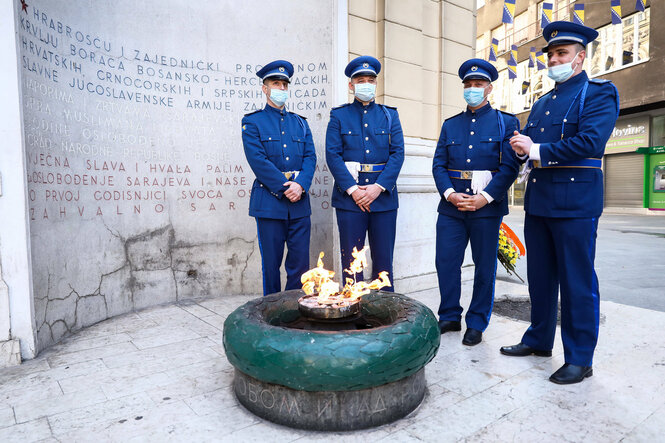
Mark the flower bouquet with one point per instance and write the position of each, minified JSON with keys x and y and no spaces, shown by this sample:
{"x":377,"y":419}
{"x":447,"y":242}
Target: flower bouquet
{"x":510,"y":249}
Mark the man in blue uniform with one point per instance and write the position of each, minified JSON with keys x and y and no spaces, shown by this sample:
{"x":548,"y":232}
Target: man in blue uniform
{"x":279,"y":149}
{"x":473,"y":168}
{"x":564,"y":141}
{"x":365,"y":152}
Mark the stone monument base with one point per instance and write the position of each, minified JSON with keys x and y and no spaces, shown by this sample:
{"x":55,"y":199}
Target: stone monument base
{"x":330,"y":410}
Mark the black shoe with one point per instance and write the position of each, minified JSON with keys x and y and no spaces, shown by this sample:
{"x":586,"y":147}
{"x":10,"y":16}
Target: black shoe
{"x":569,"y":374}
{"x":522,"y":350}
{"x":472,"y":337}
{"x":447,"y":326}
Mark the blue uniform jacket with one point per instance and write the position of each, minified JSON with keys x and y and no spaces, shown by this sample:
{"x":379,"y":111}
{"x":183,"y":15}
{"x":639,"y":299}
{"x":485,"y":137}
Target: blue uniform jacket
{"x":369,"y":134}
{"x":471,"y":142}
{"x":278,"y":141}
{"x":564,"y":191}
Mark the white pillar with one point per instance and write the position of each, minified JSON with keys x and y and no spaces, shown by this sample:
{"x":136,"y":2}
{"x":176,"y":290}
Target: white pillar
{"x":16,"y":303}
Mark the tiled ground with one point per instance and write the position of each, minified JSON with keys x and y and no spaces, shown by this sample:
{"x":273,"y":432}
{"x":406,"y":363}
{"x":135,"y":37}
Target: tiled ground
{"x":161,"y":375}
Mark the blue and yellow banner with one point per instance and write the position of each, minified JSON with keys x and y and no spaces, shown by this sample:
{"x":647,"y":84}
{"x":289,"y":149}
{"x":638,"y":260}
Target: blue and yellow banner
{"x":546,"y":18}
{"x":508,"y":11}
{"x":512,"y":63}
{"x":639,"y":5}
{"x":512,"y":71}
{"x":578,"y":14}
{"x":525,"y":87}
{"x":616,"y":12}
{"x":540,"y":60}
{"x":493,"y":49}
{"x":532,"y":57}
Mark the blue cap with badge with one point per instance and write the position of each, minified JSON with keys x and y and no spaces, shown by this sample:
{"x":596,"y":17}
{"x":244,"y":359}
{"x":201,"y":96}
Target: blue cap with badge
{"x":566,"y":33}
{"x":477,"y":68}
{"x":279,"y":68}
{"x":363,"y":65}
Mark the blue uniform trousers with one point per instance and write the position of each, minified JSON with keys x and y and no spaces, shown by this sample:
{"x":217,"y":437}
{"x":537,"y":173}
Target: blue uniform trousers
{"x":273,"y":234}
{"x":380,"y":227}
{"x":452,"y":236}
{"x":561,"y":256}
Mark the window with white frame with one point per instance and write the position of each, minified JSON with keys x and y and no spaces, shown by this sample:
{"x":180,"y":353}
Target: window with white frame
{"x":521,"y":23}
{"x":515,"y":96}
{"x":560,"y":11}
{"x":501,"y":92}
{"x":540,"y":84}
{"x":499,"y":33}
{"x":483,"y":45}
{"x":622,"y":45}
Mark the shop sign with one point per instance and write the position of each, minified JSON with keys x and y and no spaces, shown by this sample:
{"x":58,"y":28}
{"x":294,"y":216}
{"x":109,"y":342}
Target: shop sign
{"x":628,"y":135}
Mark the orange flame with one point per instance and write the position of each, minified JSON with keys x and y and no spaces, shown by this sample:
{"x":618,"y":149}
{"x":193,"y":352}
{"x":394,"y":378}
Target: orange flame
{"x":320,"y":280}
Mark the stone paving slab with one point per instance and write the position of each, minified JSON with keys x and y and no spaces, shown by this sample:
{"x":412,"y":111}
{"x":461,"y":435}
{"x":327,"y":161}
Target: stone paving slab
{"x":161,"y":375}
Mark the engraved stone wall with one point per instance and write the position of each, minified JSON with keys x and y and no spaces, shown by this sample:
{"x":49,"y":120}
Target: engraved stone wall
{"x":137,"y":183}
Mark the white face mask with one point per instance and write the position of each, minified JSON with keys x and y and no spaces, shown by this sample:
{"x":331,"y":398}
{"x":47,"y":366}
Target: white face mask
{"x":278,"y":97}
{"x":365,"y":92}
{"x":474,"y":96}
{"x":561,"y":73}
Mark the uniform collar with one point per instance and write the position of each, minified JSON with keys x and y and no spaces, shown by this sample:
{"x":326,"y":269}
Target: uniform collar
{"x":478,"y":112}
{"x":275,"y":110}
{"x":360,"y":105}
{"x":572,"y":83}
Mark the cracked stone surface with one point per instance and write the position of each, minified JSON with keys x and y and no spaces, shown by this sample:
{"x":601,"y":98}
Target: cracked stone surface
{"x":161,"y":374}
{"x":106,"y":271}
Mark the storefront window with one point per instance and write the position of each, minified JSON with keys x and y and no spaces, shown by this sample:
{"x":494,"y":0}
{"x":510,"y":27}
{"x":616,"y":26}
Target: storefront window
{"x":658,"y":131}
{"x":619,"y":46}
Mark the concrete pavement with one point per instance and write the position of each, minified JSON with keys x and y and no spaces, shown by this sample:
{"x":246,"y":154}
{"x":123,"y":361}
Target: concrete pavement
{"x":161,"y":375}
{"x":630,"y":261}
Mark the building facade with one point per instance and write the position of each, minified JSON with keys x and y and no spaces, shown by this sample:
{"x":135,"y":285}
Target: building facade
{"x":630,"y":54}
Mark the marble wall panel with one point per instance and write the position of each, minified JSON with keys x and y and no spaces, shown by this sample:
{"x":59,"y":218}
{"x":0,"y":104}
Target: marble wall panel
{"x":137,"y":182}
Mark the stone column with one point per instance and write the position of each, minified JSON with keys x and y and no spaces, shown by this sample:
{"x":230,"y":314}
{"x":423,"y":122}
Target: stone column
{"x":421,"y":44}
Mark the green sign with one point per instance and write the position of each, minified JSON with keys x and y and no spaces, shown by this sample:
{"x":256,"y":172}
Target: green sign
{"x":655,"y":176}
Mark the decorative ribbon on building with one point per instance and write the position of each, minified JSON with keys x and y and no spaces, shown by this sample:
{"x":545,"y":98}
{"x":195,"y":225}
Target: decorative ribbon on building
{"x":540,"y":60}
{"x":525,"y":87}
{"x":639,"y":5}
{"x":508,"y":11}
{"x":494,"y":47}
{"x":532,"y":57}
{"x":578,"y":14}
{"x":512,"y":63}
{"x":616,"y":12}
{"x":546,"y":18}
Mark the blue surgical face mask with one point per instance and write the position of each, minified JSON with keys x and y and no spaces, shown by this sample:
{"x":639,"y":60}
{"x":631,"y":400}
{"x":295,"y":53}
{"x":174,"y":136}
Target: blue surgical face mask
{"x":278,"y":97}
{"x":365,"y":92}
{"x":474,"y":96}
{"x":561,"y":73}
